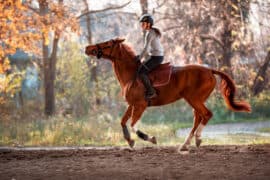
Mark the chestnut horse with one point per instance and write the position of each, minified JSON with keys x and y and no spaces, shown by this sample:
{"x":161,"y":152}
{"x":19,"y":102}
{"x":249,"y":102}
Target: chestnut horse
{"x":194,"y":83}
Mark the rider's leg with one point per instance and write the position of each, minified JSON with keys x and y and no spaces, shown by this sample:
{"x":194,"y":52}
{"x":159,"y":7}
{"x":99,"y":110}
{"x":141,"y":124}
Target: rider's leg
{"x":150,"y":91}
{"x":145,"y":68}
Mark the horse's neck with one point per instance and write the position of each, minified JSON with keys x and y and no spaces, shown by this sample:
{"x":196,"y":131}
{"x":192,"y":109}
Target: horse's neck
{"x":125,"y":74}
{"x":125,"y":67}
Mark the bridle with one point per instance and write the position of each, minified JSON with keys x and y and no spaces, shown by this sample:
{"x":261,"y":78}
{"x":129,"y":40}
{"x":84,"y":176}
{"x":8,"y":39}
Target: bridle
{"x":99,"y":51}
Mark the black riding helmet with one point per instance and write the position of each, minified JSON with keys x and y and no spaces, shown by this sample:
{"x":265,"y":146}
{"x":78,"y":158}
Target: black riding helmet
{"x":147,"y":18}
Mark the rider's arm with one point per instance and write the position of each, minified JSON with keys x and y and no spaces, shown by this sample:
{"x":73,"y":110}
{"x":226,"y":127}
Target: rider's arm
{"x":144,"y":54}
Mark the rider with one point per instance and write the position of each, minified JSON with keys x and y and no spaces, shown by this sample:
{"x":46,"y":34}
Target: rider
{"x":152,"y":53}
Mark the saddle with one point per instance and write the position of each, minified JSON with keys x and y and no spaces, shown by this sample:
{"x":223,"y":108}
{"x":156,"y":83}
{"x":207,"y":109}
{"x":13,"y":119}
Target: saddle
{"x":161,"y":75}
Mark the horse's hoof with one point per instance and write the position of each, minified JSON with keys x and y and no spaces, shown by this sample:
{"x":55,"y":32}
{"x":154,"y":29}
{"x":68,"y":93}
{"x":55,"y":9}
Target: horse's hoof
{"x":183,"y":148}
{"x":198,"y":142}
{"x":153,"y":140}
{"x":131,"y":143}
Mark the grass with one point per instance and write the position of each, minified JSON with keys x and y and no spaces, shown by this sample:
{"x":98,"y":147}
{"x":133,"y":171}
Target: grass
{"x":102,"y":126}
{"x":101,"y":131}
{"x":265,"y":130}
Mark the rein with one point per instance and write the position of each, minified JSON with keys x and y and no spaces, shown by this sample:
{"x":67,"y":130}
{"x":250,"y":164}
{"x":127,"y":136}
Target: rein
{"x":100,"y":51}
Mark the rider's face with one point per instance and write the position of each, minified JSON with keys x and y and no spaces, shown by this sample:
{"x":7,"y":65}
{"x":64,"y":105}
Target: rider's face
{"x":145,"y":25}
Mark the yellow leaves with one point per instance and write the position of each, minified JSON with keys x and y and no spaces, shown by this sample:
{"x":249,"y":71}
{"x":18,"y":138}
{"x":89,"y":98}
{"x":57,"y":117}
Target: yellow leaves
{"x":10,"y":84}
{"x":234,"y":33}
{"x":1,"y":69}
{"x":22,"y":28}
{"x":260,"y":78}
{"x":45,"y":34}
{"x":17,"y":30}
{"x":236,"y":45}
{"x":224,"y":68}
{"x":234,"y":6}
{"x":4,"y":66}
{"x":18,"y":4}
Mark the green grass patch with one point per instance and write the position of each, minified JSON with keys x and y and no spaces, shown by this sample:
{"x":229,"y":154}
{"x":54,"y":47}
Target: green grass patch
{"x":265,"y":130}
{"x":102,"y":131}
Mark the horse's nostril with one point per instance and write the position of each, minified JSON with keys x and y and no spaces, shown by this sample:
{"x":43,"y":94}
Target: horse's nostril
{"x":86,"y":51}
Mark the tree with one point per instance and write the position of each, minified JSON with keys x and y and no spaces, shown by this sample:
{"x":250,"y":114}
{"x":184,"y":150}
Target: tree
{"x":189,"y":23}
{"x":86,"y":13}
{"x":54,"y":19}
{"x":261,"y":78}
{"x":144,"y":6}
{"x":17,"y":31}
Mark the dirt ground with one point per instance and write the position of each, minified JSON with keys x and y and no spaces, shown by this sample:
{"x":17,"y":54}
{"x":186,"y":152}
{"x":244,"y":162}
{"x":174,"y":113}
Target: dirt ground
{"x":208,"y":162}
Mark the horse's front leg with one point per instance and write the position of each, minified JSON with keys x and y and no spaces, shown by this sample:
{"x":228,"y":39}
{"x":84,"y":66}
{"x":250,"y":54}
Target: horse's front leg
{"x":126,"y":133}
{"x":136,"y":115}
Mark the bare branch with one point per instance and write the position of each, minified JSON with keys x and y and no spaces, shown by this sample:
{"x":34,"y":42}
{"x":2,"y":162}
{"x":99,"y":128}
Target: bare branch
{"x":210,"y":37}
{"x":168,"y":18}
{"x":132,"y":15}
{"x":105,"y":9}
{"x":159,"y":5}
{"x":171,"y":28}
{"x":27,"y":5}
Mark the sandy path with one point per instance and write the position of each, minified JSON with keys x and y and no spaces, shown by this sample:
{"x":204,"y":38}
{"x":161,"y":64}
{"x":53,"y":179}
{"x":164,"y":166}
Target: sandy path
{"x":208,"y":162}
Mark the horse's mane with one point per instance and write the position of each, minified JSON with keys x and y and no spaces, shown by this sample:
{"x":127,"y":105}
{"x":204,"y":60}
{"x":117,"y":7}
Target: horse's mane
{"x":128,"y":50}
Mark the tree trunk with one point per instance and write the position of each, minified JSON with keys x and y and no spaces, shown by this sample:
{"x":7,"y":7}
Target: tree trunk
{"x":49,"y":107}
{"x":227,"y":41}
{"x":49,"y":62}
{"x":261,"y":79}
{"x":144,"y":6}
{"x":93,"y":66}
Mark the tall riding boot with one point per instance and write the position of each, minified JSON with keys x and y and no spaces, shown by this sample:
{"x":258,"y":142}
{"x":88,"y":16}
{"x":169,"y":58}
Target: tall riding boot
{"x":150,"y":91}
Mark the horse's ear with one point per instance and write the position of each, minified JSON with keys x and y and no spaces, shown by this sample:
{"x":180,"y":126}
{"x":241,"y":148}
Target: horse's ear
{"x":119,"y":40}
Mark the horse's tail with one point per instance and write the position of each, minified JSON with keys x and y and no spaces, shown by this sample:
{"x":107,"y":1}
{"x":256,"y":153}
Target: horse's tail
{"x":228,"y":92}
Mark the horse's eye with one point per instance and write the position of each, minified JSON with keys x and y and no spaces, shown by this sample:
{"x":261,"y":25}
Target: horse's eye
{"x":94,"y":51}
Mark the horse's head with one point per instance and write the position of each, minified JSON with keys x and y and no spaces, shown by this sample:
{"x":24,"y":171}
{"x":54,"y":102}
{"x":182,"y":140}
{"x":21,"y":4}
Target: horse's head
{"x":104,"y":49}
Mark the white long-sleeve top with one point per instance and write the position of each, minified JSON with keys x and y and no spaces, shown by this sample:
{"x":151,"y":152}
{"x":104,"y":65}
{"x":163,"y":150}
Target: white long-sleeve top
{"x":152,"y":45}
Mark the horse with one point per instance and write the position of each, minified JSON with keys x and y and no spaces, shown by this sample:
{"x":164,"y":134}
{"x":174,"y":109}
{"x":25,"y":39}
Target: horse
{"x":193,"y":83}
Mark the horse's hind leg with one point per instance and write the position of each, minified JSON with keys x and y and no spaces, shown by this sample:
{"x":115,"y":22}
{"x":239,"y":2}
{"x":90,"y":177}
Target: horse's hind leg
{"x":201,"y":117}
{"x":206,"y":114}
{"x":196,"y":122}
{"x":124,"y":120}
{"x":136,"y":114}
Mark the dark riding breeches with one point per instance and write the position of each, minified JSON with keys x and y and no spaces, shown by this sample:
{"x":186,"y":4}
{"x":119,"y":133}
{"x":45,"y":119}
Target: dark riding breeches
{"x":149,"y":65}
{"x":144,"y":69}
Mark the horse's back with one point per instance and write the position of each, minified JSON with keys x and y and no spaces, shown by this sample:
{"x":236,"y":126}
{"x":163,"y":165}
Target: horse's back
{"x":196,"y":76}
{"x":191,"y":67}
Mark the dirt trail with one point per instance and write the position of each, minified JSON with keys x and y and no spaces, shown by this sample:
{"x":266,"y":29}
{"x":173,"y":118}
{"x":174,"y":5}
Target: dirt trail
{"x":208,"y":162}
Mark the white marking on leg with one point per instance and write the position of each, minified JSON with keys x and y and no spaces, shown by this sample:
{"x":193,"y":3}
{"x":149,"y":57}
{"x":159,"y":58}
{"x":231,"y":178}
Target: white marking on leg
{"x":134,"y":129}
{"x":198,"y":132}
{"x":188,"y":139}
{"x":187,"y":142}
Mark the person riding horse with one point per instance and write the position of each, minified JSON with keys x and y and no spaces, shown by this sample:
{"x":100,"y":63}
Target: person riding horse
{"x":152,"y":53}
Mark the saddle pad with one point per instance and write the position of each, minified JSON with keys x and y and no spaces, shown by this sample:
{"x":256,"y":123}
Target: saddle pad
{"x":161,"y":75}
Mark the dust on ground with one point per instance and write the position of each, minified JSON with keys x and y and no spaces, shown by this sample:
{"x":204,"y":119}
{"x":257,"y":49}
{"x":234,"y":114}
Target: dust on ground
{"x":207,"y":162}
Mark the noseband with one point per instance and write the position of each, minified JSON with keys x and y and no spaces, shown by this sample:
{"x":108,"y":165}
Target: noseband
{"x":100,"y":51}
